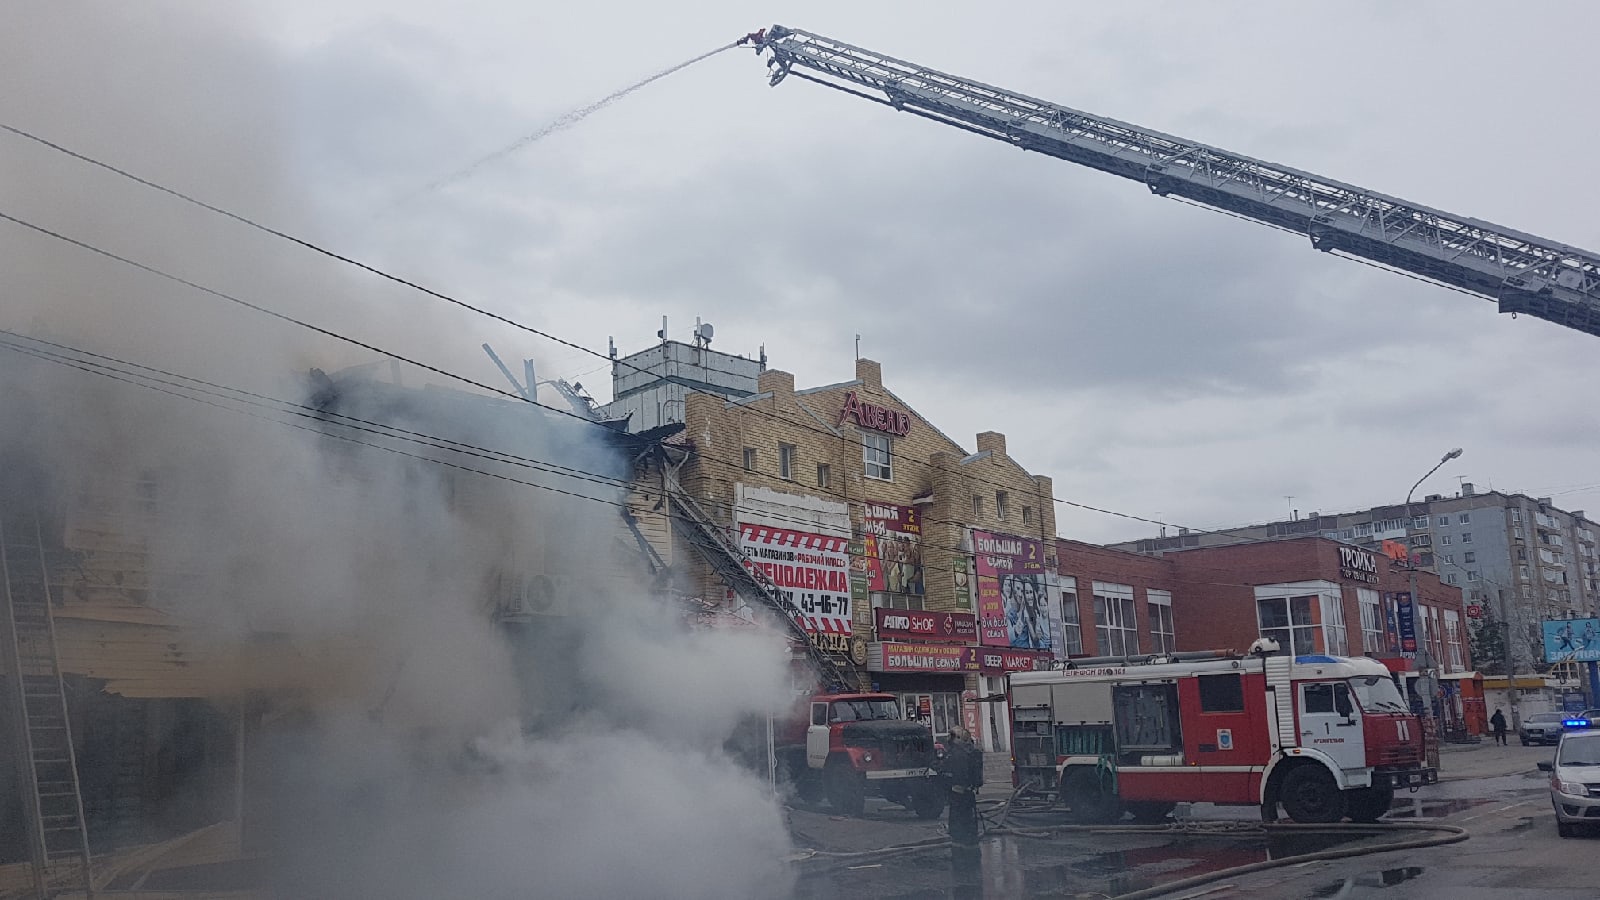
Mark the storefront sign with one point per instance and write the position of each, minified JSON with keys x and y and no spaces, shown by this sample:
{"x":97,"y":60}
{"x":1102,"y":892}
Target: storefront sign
{"x":811,"y":571}
{"x":892,"y":538}
{"x":885,"y":656}
{"x":860,"y":581}
{"x":1013,"y":609}
{"x":916,"y":625}
{"x":969,"y":712}
{"x":830,"y":641}
{"x":994,"y":662}
{"x":1474,"y":611}
{"x":1358,"y":565}
{"x":1405,"y":615}
{"x":878,"y":418}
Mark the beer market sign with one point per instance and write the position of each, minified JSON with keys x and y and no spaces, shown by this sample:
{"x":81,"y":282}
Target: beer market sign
{"x":1358,"y":565}
{"x":878,"y":418}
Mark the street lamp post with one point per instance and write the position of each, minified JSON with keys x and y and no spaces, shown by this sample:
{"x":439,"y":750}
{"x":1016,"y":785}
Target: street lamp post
{"x":1425,"y":662}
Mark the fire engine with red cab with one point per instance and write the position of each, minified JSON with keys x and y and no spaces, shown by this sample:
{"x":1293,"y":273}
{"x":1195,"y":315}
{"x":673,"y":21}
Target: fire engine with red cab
{"x":1324,"y":736}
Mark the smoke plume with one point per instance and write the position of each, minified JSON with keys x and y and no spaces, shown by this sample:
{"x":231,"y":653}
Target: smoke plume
{"x":338,"y":585}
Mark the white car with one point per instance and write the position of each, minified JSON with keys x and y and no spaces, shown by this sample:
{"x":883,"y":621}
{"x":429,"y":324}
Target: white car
{"x":1575,"y":781}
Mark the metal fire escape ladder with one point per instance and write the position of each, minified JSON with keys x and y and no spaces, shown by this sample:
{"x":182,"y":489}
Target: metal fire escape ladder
{"x":735,"y":569}
{"x":57,"y":835}
{"x":1523,"y":273}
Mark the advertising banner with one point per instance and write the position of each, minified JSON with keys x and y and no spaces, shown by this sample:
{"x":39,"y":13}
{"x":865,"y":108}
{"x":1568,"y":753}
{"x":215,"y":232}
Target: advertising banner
{"x":1405,"y":615}
{"x":887,"y":656}
{"x":995,"y":662}
{"x":812,"y":571}
{"x":1572,"y":640}
{"x":893,"y":539}
{"x":917,"y":625}
{"x":860,"y":582}
{"x":961,"y":578}
{"x":1012,"y":608}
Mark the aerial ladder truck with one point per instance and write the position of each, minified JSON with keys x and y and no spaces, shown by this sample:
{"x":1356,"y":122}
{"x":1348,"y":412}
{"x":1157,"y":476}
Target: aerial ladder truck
{"x":1521,"y":272}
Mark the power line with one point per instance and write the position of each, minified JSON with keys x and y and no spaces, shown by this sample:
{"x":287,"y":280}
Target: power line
{"x":439,"y":295}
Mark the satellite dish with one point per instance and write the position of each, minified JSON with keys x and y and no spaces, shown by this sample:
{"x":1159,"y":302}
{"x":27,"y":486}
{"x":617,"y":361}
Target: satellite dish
{"x":706,"y":331}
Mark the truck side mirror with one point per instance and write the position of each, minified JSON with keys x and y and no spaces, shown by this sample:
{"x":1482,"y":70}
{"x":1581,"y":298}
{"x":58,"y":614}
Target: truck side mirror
{"x":1341,"y":702}
{"x":1546,"y":767}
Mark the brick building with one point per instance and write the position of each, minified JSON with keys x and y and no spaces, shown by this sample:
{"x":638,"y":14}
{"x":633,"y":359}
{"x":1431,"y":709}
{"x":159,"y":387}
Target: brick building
{"x":1312,"y":595}
{"x":923,"y":568}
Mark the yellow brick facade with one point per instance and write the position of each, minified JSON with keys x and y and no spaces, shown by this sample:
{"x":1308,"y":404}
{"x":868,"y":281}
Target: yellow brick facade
{"x":929,"y":470}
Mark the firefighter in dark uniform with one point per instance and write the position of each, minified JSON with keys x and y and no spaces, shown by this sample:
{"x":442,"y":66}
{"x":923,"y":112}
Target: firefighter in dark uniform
{"x":962,"y":772}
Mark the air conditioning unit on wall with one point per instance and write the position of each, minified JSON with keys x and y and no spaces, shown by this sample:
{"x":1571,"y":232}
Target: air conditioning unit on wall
{"x":526,"y":597}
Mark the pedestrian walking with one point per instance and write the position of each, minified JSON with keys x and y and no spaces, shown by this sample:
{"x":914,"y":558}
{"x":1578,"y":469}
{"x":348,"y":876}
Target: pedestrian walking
{"x":1497,"y":722}
{"x":962,"y":772}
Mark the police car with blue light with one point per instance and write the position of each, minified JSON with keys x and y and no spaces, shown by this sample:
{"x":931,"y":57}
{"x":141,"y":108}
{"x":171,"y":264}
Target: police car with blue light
{"x":1575,"y":776}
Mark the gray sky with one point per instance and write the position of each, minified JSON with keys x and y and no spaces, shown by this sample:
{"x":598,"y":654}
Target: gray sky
{"x":1151,"y":357}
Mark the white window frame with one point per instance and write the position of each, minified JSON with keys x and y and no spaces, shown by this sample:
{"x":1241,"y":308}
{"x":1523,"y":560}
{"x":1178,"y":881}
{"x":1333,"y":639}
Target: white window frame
{"x":787,"y":454}
{"x":1452,"y":636}
{"x":1002,"y":505}
{"x":877,"y":456}
{"x":1322,"y":602}
{"x":1116,"y":622}
{"x":1071,"y":618}
{"x":1443,"y":521}
{"x":1163,"y":636}
{"x":1374,"y":633}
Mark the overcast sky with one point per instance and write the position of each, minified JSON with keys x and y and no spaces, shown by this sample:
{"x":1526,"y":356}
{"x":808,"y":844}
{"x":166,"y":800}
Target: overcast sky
{"x":1151,"y":357}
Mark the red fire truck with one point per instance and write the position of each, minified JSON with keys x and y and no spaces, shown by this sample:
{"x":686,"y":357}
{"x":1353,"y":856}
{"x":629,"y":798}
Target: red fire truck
{"x":839,"y":745}
{"x":1325,"y":736}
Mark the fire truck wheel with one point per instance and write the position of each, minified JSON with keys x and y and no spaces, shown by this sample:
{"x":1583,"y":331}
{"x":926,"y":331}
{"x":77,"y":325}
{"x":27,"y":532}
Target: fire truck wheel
{"x":1086,"y":796}
{"x":846,"y":788}
{"x":1150,"y":812}
{"x":927,"y":800}
{"x":1311,"y":796}
{"x":1369,"y":804}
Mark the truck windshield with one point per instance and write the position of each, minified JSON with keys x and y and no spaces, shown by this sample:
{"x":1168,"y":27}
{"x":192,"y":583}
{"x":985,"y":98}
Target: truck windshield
{"x":864,"y":710}
{"x":1377,"y":694}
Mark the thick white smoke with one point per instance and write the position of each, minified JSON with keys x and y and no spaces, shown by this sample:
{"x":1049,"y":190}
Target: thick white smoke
{"x":409,"y":746}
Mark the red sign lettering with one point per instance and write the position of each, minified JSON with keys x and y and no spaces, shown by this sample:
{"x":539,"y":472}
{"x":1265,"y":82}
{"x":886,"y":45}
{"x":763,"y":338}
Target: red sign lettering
{"x":878,"y":418}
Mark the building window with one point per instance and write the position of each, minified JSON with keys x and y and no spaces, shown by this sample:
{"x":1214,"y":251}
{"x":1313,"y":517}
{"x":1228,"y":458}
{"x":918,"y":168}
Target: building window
{"x":1449,"y":559}
{"x":1516,"y":517}
{"x":1002,"y":504}
{"x":1304,"y":625}
{"x":1071,"y":619}
{"x":1443,"y":521}
{"x":786,"y":458}
{"x":1463,"y":518}
{"x":1469,"y":556}
{"x":1027,"y":515}
{"x":1116,"y":627}
{"x":896,"y":601}
{"x":877,"y":451}
{"x":1523,"y":571}
{"x":1472,"y":575}
{"x":1159,"y":606}
{"x":1373,"y":632}
{"x":824,"y":475}
{"x":749,"y":459}
{"x":1419,"y":522}
{"x":1522,"y":555}
{"x":1450,"y":578}
{"x":1466,"y":537}
{"x":977,"y":506}
{"x":1444,"y":539}
{"x":1452,"y":639}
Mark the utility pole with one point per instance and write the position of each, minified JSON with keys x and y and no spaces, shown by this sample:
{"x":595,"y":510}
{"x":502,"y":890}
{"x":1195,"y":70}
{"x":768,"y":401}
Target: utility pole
{"x":1428,"y":676}
{"x":1512,"y":694}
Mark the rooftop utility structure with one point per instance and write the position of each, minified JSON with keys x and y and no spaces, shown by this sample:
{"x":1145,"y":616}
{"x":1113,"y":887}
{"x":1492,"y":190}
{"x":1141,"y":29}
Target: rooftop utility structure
{"x":1521,"y":272}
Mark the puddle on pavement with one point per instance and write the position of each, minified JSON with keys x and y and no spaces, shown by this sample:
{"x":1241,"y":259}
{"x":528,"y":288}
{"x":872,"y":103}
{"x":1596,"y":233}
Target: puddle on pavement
{"x":1008,"y":867}
{"x":1383,"y":879}
{"x":1418,"y":808}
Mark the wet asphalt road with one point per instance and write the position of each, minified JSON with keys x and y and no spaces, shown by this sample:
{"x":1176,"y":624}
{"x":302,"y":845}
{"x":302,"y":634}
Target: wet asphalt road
{"x":1495,"y":793}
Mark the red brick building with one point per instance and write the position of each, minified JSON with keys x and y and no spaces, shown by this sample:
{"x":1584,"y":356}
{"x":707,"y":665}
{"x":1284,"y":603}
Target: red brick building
{"x":1311,"y":594}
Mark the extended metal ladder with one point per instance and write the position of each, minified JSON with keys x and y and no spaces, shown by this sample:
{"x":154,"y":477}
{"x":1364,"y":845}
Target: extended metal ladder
{"x":57,"y":836}
{"x":732,"y":566}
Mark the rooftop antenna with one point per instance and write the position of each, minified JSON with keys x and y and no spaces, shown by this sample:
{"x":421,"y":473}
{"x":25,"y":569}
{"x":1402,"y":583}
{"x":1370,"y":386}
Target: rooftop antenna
{"x":611,"y":346}
{"x":1293,"y":516}
{"x":703,"y":332}
{"x":663,"y":332}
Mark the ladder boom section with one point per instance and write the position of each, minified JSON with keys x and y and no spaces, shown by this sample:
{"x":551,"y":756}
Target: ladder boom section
{"x":1522,"y":272}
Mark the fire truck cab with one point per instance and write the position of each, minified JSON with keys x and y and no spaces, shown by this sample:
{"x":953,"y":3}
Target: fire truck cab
{"x":1326,"y":737}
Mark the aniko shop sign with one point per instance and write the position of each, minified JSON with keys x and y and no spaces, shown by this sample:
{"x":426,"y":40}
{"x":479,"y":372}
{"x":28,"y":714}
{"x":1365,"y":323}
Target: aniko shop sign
{"x":917,"y":625}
